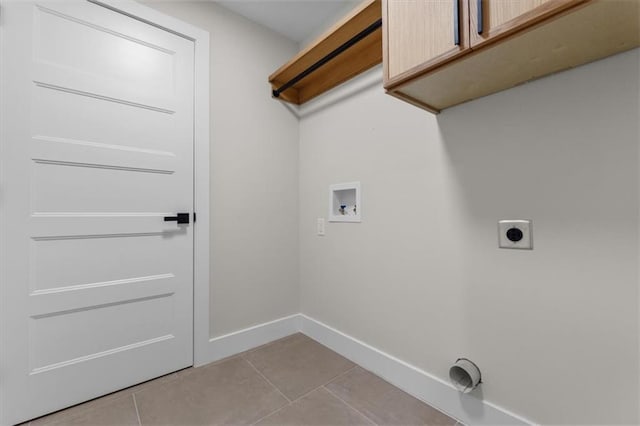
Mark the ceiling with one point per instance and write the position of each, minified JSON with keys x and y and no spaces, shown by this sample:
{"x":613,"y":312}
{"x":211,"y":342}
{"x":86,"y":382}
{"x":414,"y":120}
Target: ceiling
{"x":297,"y":20}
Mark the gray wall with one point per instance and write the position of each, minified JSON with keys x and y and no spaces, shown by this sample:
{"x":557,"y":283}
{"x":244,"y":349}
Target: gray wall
{"x":554,"y":330}
{"x":254,"y":171}
{"x":343,"y":11}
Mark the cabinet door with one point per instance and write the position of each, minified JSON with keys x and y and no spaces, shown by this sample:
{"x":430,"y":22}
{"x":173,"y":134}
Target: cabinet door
{"x":421,"y":34}
{"x":492,"y":19}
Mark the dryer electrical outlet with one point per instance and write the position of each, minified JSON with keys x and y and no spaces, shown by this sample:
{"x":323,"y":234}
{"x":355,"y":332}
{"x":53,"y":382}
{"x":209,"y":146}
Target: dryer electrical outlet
{"x":515,"y":234}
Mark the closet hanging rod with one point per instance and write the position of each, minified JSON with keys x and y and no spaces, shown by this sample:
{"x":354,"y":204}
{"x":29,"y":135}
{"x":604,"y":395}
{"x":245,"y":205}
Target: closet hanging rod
{"x":346,"y":45}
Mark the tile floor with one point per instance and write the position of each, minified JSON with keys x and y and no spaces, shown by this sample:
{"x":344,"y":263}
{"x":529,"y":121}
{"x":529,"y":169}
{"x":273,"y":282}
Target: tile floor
{"x":292,"y":381}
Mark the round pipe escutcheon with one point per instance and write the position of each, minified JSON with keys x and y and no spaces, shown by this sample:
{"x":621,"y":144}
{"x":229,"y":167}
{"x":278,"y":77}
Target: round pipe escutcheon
{"x":465,"y":375}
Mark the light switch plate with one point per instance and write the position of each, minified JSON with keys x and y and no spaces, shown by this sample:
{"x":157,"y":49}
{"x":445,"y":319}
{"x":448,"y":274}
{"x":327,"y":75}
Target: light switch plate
{"x":320,"y":226}
{"x":515,"y":234}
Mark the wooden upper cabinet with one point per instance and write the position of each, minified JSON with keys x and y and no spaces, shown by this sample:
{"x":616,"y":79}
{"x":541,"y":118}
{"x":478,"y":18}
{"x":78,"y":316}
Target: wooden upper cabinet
{"x":506,"y":43}
{"x":422,"y":33}
{"x":492,"y":19}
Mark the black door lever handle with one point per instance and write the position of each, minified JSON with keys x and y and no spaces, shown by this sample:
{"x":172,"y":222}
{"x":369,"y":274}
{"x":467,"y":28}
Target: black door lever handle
{"x":179,"y":217}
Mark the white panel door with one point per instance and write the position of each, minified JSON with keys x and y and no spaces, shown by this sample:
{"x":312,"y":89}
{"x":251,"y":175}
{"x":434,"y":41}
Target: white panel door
{"x":96,"y":289}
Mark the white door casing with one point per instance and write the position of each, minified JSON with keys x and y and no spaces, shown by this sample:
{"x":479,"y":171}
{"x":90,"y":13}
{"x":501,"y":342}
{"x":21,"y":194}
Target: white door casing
{"x":97,"y":146}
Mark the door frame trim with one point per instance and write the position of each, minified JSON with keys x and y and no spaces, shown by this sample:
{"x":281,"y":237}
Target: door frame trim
{"x":201,"y":235}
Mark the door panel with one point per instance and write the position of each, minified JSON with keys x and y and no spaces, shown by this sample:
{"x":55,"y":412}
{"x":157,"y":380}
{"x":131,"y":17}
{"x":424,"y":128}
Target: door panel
{"x":491,"y":19}
{"x":121,"y":323}
{"x":115,"y":260}
{"x":124,"y":68}
{"x":96,"y":148}
{"x":66,"y":186}
{"x":498,"y":12}
{"x":422,"y":32}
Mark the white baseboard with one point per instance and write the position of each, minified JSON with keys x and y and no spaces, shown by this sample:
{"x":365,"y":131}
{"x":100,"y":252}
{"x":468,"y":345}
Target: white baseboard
{"x":466,"y":408}
{"x":469,"y":409}
{"x":249,"y":338}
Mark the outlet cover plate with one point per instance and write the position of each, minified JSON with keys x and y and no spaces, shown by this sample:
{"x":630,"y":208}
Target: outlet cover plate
{"x":525,"y":226}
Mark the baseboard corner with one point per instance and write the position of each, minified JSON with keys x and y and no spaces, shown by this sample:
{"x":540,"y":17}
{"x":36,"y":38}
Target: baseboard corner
{"x":468,"y":409}
{"x":242,"y":340}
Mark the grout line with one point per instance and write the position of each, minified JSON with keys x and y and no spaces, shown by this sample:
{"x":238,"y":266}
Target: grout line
{"x":348,"y":405}
{"x":271,"y":413}
{"x":333,"y":379}
{"x":291,"y":402}
{"x":268,"y":381}
{"x":458,"y":423}
{"x":305,"y":394}
{"x":135,"y":404}
{"x":324,"y":384}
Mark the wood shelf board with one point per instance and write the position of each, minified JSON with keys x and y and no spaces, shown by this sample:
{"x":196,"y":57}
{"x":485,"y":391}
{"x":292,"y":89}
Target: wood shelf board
{"x":412,"y":101}
{"x":290,"y":95}
{"x":365,"y":55}
{"x":357,"y":59}
{"x":590,"y":31}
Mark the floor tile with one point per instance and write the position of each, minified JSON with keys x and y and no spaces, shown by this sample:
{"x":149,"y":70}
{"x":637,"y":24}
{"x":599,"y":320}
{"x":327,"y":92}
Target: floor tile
{"x":190,"y":370}
{"x":282,"y":339}
{"x":317,"y":408}
{"x":297,"y":364}
{"x":149,"y":384}
{"x":384,"y":403}
{"x":229,"y":393}
{"x":99,"y":402}
{"x":71,"y":411}
{"x":232,"y":392}
{"x":118,"y":411}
